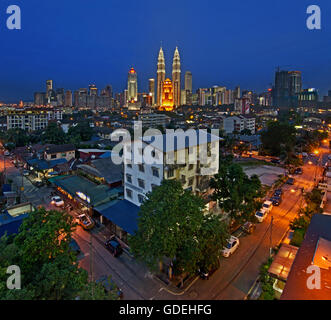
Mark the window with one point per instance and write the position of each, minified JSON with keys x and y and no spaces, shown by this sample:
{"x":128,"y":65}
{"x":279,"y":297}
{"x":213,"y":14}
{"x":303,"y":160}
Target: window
{"x":141,"y":168}
{"x":141,"y":198}
{"x":155,"y":172}
{"x":190,"y":167}
{"x":53,"y":156}
{"x":129,"y":178}
{"x":63,"y":154}
{"x":129,"y":165}
{"x":141,"y":183}
{"x":153,"y":186}
{"x":171,"y":173}
{"x":129,"y":193}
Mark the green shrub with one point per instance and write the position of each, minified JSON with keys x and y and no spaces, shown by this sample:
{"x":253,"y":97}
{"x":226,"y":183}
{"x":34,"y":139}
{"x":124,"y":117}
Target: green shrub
{"x":298,"y":237}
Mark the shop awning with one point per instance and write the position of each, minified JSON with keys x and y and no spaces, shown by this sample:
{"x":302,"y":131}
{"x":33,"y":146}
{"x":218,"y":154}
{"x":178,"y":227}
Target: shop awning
{"x":122,"y":213}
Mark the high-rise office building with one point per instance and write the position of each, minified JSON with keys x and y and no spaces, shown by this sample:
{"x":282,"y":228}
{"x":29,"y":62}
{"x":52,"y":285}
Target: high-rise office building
{"x":60,"y":96}
{"x":176,"y":74}
{"x":93,"y":90}
{"x":151,"y":90}
{"x":107,"y":91}
{"x":160,"y":77}
{"x":68,"y":98}
{"x":132,"y":86}
{"x":295,"y":83}
{"x":236,"y":93}
{"x":288,"y":85}
{"x":39,"y":98}
{"x":188,"y":81}
{"x":49,"y":87}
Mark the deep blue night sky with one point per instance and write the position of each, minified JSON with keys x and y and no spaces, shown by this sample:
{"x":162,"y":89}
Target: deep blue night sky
{"x":78,"y":42}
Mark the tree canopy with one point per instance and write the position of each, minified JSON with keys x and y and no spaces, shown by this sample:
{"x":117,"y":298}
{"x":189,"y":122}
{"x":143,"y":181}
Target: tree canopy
{"x":53,"y":134}
{"x":49,"y":269}
{"x":277,"y":137}
{"x":236,"y":193}
{"x":175,"y":227}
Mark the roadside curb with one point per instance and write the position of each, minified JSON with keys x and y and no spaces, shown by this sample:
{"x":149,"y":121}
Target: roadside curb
{"x":173,"y":292}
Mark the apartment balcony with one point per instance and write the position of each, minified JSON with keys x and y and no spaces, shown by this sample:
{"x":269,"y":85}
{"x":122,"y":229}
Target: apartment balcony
{"x":174,"y":166}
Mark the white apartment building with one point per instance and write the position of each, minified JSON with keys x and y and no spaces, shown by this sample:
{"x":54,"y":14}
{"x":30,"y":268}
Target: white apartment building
{"x":191,"y":161}
{"x":154,"y":120}
{"x":238,"y":124}
{"x":32,"y":120}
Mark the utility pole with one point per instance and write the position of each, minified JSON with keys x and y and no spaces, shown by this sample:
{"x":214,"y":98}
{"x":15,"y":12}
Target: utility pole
{"x":91,"y":263}
{"x":4,"y":167}
{"x":272,"y":220}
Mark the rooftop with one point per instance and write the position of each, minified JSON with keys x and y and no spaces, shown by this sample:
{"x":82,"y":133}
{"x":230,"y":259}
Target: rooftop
{"x":283,"y":261}
{"x":314,"y":247}
{"x":122,"y":213}
{"x":75,"y":185}
{"x":171,"y":141}
{"x":60,"y":148}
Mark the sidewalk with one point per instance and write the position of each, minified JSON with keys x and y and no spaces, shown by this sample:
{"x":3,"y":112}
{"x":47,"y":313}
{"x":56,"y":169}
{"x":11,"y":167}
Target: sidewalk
{"x":101,"y":234}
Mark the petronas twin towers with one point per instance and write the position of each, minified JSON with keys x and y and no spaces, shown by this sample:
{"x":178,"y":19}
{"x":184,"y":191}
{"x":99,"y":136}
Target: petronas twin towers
{"x":174,"y":96}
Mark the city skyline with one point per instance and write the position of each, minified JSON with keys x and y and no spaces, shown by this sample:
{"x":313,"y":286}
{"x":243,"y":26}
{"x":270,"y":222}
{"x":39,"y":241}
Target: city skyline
{"x":224,"y":51}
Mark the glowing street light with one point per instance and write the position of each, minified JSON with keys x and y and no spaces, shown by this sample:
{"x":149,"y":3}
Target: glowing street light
{"x":316,"y":152}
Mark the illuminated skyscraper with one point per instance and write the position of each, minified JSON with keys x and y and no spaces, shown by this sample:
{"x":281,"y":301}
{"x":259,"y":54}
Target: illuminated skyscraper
{"x":151,"y":90}
{"x":49,"y":87}
{"x":160,"y":77}
{"x":176,"y":78}
{"x":167,"y":103}
{"x":132,"y":86}
{"x":93,"y":90}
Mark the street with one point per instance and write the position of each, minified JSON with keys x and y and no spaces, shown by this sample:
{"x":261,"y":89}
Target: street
{"x":236,"y":274}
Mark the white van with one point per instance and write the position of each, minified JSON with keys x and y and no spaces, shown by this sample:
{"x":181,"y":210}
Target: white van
{"x":267,"y":206}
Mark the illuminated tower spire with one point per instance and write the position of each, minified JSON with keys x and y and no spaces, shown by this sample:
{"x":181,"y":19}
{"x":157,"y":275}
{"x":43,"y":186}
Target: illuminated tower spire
{"x":176,"y":77}
{"x":160,"y":76}
{"x":132,"y":85}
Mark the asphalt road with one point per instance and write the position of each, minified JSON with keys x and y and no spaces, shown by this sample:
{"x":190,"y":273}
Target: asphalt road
{"x":238,"y":273}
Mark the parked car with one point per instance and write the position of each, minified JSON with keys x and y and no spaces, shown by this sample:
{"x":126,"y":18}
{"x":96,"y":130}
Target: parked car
{"x":74,"y":247}
{"x":275,"y":161}
{"x":110,"y":285}
{"x":276,"y":201}
{"x":290,"y":181}
{"x":38,"y":184}
{"x":267,"y":205}
{"x":278,"y":193}
{"x":26,"y":173}
{"x":57,"y":201}
{"x":261,"y":215}
{"x":6,"y":153}
{"x":248,"y":227}
{"x":231,"y":247}
{"x":206,"y":273}
{"x":114,"y":247}
{"x":85,"y":221}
